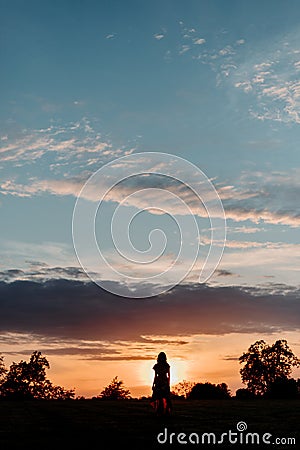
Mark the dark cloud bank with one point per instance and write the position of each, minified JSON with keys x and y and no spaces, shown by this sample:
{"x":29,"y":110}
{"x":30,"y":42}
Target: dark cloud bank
{"x":70,"y":309}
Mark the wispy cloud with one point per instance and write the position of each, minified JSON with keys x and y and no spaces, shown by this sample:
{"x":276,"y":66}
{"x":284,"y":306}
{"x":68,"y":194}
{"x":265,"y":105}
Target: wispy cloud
{"x":184,"y":48}
{"x":222,"y":59}
{"x":252,"y":244}
{"x":272,"y":76}
{"x":80,"y":349}
{"x":267,"y":203}
{"x":256,"y":262}
{"x":199,"y":41}
{"x":255,"y":197}
{"x":45,"y":254}
{"x":158,"y":36}
{"x":189,"y":37}
{"x":245,"y":230}
{"x":74,"y":146}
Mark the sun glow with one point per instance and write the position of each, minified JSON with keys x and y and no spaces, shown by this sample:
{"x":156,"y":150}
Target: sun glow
{"x":178,"y":370}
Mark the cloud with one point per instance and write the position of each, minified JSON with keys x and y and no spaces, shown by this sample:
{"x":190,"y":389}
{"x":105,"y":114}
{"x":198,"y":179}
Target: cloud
{"x":245,"y":212}
{"x":95,"y":350}
{"x":272,"y":198}
{"x":78,"y":310}
{"x":230,"y":358}
{"x":121,"y":358}
{"x":272,"y":255}
{"x":72,"y":147}
{"x":199,"y":41}
{"x":271,"y":76}
{"x":254,"y":244}
{"x":57,"y":187}
{"x":276,"y":261}
{"x":183,"y":49}
{"x":228,"y":50}
{"x":245,"y":230}
{"x":52,"y":254}
{"x":256,"y":196}
{"x":222,"y":59}
{"x":104,"y":351}
{"x":158,"y":36}
{"x":143,"y":183}
{"x":251,"y":260}
{"x":147,"y":340}
{"x":224,"y":273}
{"x":43,"y":273}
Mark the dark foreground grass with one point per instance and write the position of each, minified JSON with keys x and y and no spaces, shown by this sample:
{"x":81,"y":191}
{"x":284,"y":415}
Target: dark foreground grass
{"x":97,"y":424}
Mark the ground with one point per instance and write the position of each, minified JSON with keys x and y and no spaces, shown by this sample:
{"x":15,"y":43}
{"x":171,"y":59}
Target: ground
{"x":132,"y":424}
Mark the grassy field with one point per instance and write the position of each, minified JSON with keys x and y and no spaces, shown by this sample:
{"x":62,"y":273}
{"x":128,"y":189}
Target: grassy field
{"x":132,"y":424}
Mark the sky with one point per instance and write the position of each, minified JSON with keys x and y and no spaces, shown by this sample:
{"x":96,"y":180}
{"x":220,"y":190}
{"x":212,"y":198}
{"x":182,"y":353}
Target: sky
{"x":84,"y":84}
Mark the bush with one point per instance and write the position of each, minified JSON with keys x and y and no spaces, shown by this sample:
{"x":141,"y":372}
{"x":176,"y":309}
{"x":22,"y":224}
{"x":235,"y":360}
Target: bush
{"x":182,"y":389}
{"x":245,"y":394}
{"x":209,"y":391}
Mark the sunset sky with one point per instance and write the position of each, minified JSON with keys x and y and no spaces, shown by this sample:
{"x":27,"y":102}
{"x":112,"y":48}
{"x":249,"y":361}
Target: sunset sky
{"x":83,"y":83}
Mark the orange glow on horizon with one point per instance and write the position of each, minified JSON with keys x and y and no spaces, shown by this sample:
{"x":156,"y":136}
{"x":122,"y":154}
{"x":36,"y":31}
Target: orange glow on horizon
{"x":212,"y":358}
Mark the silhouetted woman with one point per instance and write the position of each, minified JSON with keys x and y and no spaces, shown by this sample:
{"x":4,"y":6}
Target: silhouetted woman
{"x":161,"y":397}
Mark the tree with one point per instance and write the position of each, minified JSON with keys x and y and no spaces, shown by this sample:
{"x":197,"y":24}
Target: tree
{"x":115,"y":391}
{"x":266,"y":363}
{"x":209,"y":391}
{"x":244,"y":394}
{"x":183,"y":388}
{"x":28,"y":380}
{"x":283,"y":388}
{"x":2,"y":369}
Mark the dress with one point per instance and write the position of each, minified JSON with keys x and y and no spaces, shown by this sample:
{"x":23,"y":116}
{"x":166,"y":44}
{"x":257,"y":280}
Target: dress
{"x":161,"y":396}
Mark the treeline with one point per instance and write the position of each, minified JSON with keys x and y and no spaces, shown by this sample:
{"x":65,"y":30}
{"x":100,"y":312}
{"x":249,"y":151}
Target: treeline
{"x":266,"y":372}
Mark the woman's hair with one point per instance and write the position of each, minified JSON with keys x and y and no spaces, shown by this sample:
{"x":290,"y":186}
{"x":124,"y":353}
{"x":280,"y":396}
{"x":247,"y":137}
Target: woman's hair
{"x":162,"y":357}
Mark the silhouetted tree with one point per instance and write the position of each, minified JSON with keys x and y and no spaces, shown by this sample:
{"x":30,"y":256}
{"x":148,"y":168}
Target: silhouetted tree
{"x":244,"y":394}
{"x":2,"y":369}
{"x":183,"y":388}
{"x":59,"y":392}
{"x":209,"y":391}
{"x":225,"y":389}
{"x":28,"y":380}
{"x":266,"y":363}
{"x":115,"y":391}
{"x":283,"y":388}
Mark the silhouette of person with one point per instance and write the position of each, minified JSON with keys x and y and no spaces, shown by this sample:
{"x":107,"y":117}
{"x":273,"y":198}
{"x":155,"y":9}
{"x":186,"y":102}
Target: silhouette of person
{"x":161,"y":396}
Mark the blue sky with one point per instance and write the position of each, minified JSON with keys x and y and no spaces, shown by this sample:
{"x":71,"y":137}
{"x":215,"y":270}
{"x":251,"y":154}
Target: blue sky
{"x":214,"y":82}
